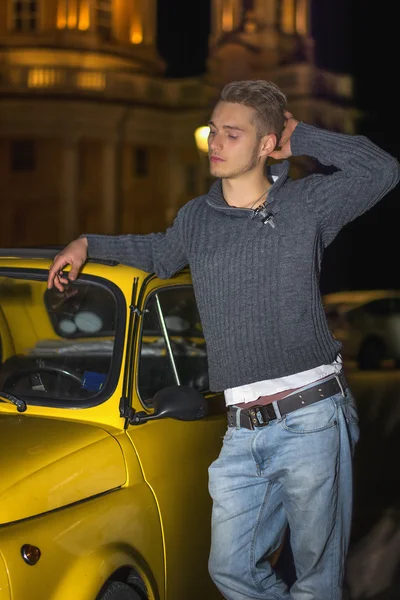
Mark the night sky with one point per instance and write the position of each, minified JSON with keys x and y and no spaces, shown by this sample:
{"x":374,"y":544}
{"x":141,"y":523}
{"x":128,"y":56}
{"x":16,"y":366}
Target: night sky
{"x":352,"y":36}
{"x":184,"y":28}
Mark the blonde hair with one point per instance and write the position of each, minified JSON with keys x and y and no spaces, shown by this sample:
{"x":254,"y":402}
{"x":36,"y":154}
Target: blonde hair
{"x":265,"y":97}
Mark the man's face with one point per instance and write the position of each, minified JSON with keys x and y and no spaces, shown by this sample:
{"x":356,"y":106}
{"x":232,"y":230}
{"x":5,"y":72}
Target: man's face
{"x":233,"y":145}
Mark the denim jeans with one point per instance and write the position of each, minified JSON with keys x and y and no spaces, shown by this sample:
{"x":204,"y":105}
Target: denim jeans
{"x":295,"y":471}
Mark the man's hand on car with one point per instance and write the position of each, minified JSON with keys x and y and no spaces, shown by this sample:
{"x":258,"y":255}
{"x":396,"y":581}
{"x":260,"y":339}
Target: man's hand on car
{"x":74,"y":254}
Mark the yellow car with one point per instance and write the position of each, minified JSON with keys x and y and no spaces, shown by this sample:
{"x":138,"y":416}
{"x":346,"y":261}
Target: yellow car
{"x":107,"y":429}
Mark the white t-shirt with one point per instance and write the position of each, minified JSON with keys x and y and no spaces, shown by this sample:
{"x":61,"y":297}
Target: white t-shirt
{"x":252,"y":391}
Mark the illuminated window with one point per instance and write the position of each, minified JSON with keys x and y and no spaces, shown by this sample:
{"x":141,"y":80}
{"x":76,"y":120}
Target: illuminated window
{"x":72,"y":14}
{"x":25,"y":15}
{"x":91,"y":80}
{"x":44,"y":77}
{"x":23,"y":155}
{"x":227,"y":16}
{"x":288,"y":14}
{"x":104,"y":18}
{"x":302,"y":16}
{"x":250,"y":22}
{"x":84,"y":15}
{"x":136,"y":32}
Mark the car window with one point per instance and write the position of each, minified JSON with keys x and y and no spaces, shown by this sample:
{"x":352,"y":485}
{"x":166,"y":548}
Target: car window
{"x":396,"y":306}
{"x":62,"y":344}
{"x":172,"y":346}
{"x":81,"y":311}
{"x":379,"y":308}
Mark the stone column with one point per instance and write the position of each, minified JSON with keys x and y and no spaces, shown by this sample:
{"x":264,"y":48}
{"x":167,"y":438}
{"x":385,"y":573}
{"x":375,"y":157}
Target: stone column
{"x":266,"y":11}
{"x":69,"y":190}
{"x":109,"y":186}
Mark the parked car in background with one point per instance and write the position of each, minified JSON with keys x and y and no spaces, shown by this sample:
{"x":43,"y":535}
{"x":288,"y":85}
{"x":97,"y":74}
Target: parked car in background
{"x":107,"y":429}
{"x":367,"y":322}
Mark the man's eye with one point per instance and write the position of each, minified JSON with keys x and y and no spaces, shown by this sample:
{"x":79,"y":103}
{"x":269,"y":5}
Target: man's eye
{"x":233,"y":137}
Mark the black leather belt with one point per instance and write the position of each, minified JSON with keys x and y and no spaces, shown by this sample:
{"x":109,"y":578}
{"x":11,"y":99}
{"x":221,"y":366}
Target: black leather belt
{"x":261,"y":415}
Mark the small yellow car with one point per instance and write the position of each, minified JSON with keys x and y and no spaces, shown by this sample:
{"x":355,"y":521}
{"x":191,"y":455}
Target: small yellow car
{"x":107,"y":429}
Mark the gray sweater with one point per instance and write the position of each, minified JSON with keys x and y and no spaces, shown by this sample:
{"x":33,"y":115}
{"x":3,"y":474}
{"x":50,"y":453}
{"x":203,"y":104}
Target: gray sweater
{"x":256,"y":274}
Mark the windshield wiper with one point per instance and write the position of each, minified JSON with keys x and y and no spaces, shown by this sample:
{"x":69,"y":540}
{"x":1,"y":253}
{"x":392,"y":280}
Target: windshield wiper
{"x":18,"y":402}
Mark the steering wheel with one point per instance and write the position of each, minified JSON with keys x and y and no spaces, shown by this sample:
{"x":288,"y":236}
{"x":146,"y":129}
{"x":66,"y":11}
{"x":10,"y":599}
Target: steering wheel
{"x":12,"y":380}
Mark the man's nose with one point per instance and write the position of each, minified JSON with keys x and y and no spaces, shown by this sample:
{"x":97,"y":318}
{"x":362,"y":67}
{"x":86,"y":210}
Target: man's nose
{"x":215,"y":143}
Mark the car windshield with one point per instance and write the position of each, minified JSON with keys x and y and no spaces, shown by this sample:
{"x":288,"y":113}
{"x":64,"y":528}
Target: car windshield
{"x":57,"y":347}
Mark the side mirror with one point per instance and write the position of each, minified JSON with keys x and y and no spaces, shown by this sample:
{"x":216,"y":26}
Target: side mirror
{"x":180,"y":402}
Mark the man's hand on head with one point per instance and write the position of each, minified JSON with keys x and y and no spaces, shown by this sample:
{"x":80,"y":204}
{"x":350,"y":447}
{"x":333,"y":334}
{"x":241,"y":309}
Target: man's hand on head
{"x":284,"y":149}
{"x":75,"y":254}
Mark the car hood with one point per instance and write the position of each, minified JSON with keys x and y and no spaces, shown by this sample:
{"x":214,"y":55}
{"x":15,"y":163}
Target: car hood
{"x":46,"y":464}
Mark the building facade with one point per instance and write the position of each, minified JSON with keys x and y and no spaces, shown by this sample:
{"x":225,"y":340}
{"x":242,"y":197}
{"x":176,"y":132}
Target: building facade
{"x":94,"y":137}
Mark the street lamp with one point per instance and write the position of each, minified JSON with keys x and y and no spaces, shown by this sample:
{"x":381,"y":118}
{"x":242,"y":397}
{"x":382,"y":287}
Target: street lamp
{"x":201,"y":139}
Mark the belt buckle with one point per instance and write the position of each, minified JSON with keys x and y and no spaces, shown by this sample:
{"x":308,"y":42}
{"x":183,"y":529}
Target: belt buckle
{"x":262,"y":415}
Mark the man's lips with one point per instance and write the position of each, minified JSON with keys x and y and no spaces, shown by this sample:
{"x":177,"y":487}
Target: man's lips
{"x":216,"y":159}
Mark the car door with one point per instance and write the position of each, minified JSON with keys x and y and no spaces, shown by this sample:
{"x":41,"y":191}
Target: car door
{"x":175,"y":455}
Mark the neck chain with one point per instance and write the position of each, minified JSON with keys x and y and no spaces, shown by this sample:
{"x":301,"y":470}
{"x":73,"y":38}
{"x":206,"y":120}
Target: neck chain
{"x":258,"y":199}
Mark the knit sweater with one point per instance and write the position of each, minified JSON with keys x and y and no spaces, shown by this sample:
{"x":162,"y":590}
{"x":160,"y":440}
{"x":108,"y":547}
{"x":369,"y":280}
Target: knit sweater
{"x":256,"y":274}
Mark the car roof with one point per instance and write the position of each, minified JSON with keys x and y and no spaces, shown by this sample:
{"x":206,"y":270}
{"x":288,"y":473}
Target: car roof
{"x":353,"y":298}
{"x":43,"y":252}
{"x":50,"y":252}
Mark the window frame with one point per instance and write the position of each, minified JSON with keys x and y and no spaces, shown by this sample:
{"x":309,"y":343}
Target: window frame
{"x":26,"y":16}
{"x":119,"y":341}
{"x":147,"y":403}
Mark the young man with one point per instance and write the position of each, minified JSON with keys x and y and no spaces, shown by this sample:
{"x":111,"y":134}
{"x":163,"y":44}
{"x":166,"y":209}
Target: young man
{"x":254,"y":245}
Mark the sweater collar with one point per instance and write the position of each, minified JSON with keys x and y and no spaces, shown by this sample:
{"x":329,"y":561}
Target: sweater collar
{"x":215,"y":198}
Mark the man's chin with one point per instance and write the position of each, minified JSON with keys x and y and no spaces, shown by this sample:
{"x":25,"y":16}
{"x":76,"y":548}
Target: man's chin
{"x":216,"y":171}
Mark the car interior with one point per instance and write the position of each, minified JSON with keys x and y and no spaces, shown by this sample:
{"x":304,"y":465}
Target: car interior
{"x":60,"y":345}
{"x":55,"y":344}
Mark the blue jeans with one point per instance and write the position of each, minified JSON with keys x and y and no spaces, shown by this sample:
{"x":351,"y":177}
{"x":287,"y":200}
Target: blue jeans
{"x":295,"y":471}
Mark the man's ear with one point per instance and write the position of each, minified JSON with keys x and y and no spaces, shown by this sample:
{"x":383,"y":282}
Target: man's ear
{"x":268,"y":144}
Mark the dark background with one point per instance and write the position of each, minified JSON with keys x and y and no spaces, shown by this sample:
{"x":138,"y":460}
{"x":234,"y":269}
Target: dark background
{"x":352,"y":36}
